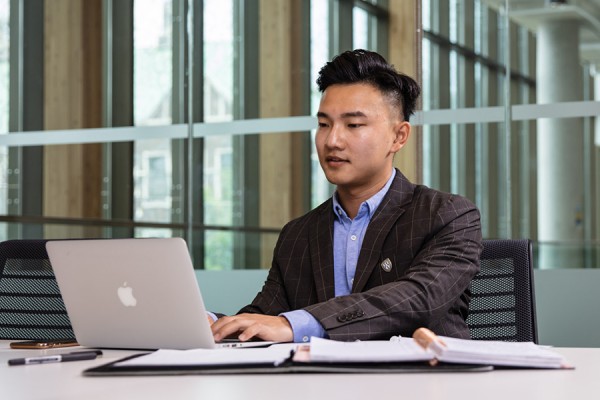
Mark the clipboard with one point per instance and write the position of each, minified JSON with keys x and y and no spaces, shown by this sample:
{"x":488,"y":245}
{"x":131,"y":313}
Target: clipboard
{"x":289,"y":366}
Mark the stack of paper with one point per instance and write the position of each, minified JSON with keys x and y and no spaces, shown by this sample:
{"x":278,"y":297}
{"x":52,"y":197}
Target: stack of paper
{"x":513,"y":354}
{"x":443,"y":349}
{"x":404,"y":349}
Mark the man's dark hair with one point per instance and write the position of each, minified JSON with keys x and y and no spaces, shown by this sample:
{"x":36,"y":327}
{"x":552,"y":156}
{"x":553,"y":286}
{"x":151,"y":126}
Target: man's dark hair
{"x":363,"y":66}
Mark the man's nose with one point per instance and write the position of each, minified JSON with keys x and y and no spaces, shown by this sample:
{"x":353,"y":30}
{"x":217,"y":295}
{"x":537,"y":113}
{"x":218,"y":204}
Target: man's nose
{"x":335,"y":136}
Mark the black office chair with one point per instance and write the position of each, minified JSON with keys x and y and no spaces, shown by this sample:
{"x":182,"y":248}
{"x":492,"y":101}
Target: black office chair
{"x":31,"y":307}
{"x":503,"y":302}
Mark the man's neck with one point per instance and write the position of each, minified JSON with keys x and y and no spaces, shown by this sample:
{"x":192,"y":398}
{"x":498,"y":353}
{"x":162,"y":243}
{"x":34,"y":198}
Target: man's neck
{"x":350,"y":205}
{"x":351,"y":198}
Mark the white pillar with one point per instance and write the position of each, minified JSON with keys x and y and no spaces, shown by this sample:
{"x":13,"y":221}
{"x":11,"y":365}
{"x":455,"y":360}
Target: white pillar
{"x":559,"y":147}
{"x":597,"y":98}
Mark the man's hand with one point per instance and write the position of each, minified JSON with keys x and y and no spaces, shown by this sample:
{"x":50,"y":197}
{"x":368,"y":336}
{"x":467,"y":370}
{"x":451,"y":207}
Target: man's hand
{"x":248,"y":326}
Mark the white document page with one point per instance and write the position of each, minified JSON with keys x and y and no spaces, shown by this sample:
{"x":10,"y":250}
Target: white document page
{"x":274,"y":354}
{"x":400,"y":349}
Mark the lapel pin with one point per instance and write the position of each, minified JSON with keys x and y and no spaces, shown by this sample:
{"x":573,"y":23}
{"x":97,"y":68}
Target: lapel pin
{"x":386,"y":265}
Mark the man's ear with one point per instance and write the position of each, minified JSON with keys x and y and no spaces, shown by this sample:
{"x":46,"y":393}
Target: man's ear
{"x":401,"y":132}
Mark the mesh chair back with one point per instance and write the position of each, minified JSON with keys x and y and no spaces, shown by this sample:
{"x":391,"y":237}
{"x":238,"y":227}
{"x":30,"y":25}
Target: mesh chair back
{"x":503,"y":303}
{"x":31,"y":307}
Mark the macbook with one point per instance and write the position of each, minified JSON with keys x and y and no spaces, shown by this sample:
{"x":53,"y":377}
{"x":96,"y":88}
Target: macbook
{"x":132,"y":294}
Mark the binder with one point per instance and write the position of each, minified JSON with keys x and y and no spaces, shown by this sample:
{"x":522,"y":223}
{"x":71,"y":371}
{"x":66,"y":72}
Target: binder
{"x":289,"y":366}
{"x":425,"y":352}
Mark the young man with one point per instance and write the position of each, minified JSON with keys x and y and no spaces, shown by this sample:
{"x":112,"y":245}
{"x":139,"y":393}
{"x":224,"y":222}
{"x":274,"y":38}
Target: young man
{"x":383,"y":256}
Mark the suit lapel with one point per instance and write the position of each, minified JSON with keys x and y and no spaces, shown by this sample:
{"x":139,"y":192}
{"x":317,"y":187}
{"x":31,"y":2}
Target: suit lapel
{"x":321,"y":253}
{"x":391,"y":208}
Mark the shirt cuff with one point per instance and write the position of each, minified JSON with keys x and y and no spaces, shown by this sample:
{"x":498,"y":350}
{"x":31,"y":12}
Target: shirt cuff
{"x":304,"y":325}
{"x":212,"y":315}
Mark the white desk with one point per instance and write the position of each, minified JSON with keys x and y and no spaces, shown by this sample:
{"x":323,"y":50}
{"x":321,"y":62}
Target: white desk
{"x":64,"y":381}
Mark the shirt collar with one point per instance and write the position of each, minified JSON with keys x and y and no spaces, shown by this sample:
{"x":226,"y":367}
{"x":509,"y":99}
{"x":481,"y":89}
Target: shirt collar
{"x":371,"y":203}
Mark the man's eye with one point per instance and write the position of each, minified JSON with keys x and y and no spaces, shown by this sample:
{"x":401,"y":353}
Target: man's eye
{"x":322,"y":125}
{"x":355,"y":125}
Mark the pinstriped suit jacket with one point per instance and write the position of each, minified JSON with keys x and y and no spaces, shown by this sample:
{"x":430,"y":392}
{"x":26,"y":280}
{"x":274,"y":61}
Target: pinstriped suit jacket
{"x":433,"y":240}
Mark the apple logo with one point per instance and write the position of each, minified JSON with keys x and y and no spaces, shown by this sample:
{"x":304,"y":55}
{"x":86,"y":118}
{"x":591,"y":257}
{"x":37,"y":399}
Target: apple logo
{"x":125,"y":294}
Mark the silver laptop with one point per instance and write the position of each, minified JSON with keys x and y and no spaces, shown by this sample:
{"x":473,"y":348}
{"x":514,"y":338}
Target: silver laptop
{"x":132,"y":294}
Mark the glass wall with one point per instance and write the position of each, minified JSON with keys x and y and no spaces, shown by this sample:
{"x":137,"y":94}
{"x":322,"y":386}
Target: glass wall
{"x":195,"y":118}
{"x":156,"y":127}
{"x":319,"y":55}
{"x":219,"y":101}
{"x":153,"y":159}
{"x":4,"y":98}
{"x":520,"y":144}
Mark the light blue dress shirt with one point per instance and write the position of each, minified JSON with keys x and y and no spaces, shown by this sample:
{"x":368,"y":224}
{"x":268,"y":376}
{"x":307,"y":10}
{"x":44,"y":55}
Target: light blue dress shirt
{"x":348,"y":235}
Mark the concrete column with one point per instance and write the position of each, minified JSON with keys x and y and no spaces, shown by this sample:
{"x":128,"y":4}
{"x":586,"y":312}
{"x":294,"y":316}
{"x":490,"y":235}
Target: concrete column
{"x":560,"y":148}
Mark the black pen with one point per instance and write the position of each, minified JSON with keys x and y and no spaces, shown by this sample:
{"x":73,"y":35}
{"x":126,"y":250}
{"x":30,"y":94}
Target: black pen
{"x":74,"y":356}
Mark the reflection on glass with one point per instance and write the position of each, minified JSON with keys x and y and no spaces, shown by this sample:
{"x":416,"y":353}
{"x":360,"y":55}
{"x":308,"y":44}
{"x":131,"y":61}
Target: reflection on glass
{"x":157,"y":167}
{"x":218,"y":150}
{"x":153,"y":66}
{"x":219,"y":250}
{"x":4,"y":93}
{"x":218,"y":60}
{"x":4,"y":64}
{"x":426,"y":15}
{"x":360,"y":28}
{"x":528,"y":178}
{"x":152,"y":106}
{"x":319,"y":53}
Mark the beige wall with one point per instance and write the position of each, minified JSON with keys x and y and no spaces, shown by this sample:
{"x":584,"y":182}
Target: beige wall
{"x":281,"y":158}
{"x":404,"y":49}
{"x":72,"y":99}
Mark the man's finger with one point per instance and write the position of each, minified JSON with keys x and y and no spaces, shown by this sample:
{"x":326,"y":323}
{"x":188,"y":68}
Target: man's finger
{"x":226,"y":327}
{"x":250,"y":332}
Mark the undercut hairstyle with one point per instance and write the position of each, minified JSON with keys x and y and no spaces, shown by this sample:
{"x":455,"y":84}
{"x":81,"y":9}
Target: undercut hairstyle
{"x":363,"y":66}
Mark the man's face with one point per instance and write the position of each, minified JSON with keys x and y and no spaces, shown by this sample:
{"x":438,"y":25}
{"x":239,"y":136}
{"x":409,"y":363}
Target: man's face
{"x":359,"y":133}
